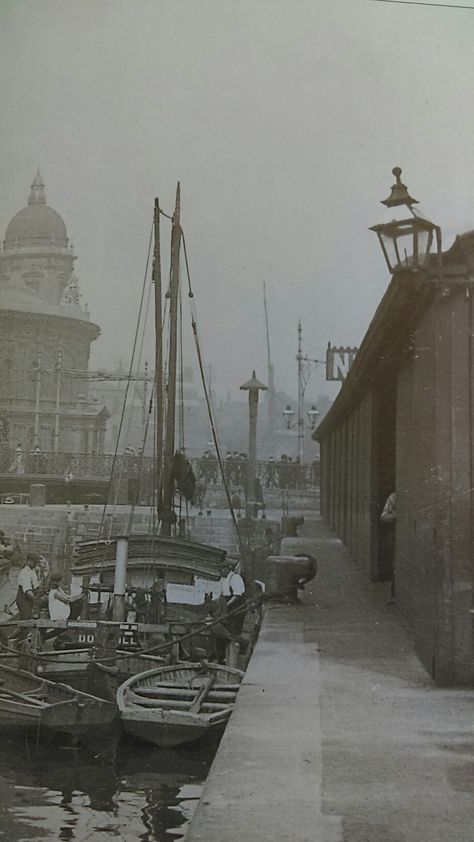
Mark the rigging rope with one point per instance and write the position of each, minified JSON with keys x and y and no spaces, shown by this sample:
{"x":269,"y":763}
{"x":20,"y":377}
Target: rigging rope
{"x":209,"y":403}
{"x":203,"y":626}
{"x":129,"y":380}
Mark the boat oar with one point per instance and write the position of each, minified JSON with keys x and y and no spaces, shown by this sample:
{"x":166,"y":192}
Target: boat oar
{"x":202,"y":693}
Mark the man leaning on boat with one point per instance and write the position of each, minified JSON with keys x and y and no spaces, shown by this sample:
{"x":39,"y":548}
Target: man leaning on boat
{"x":233,"y":590}
{"x":62,"y":606}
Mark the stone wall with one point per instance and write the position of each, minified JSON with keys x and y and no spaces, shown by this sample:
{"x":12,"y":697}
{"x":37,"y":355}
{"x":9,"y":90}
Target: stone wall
{"x":52,"y":530}
{"x":41,"y":530}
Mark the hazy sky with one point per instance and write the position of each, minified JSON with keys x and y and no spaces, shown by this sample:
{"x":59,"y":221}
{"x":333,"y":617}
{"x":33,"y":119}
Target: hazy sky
{"x":281,"y":118}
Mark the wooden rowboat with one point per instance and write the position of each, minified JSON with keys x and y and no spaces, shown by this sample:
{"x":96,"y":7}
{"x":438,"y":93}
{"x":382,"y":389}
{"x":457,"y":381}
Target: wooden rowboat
{"x":30,"y":702}
{"x":169,"y":706}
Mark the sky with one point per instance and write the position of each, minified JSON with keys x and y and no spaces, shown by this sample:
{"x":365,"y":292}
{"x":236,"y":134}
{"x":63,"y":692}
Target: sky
{"x":282,"y":120}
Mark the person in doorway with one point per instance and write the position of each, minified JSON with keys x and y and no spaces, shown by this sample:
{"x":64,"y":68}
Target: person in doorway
{"x":233,"y":591}
{"x":389,"y":513}
{"x":28,"y":585}
{"x":388,"y":518}
{"x":62,"y":606}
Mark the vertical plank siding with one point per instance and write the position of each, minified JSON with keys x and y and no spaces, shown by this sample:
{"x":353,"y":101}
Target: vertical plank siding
{"x":433,"y":477}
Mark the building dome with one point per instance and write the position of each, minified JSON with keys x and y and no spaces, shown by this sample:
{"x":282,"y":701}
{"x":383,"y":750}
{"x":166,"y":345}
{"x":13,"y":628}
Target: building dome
{"x":37,"y":224}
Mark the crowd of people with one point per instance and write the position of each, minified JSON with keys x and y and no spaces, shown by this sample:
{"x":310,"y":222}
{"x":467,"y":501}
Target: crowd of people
{"x":284,"y":473}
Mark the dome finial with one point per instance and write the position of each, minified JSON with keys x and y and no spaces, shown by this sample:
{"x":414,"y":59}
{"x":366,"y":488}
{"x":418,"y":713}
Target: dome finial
{"x":37,"y":195}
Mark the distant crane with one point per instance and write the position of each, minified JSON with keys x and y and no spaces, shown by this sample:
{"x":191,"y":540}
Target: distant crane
{"x":270,"y":374}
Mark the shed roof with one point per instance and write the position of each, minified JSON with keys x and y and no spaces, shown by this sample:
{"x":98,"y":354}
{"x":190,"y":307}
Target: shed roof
{"x":406,"y":298}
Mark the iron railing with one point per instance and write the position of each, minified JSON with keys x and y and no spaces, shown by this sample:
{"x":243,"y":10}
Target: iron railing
{"x":72,"y":466}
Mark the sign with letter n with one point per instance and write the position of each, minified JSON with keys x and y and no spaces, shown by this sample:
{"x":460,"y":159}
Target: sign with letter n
{"x":338,"y":362}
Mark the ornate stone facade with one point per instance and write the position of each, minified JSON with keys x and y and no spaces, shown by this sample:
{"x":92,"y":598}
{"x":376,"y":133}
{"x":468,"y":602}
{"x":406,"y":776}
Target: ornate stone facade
{"x":46,"y":335}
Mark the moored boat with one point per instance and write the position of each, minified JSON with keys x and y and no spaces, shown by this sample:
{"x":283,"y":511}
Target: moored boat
{"x":30,"y":702}
{"x":178,"y":704}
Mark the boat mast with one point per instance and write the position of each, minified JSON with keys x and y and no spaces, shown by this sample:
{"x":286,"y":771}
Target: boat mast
{"x":158,"y":355}
{"x":300,"y":358}
{"x":168,"y":482}
{"x":270,"y":376}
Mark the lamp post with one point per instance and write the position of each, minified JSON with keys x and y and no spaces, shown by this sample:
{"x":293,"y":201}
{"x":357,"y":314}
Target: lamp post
{"x":288,"y":415}
{"x":253,"y":387}
{"x":407,"y":243}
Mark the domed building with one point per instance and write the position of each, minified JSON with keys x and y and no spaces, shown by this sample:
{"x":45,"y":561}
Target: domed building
{"x":46,"y":336}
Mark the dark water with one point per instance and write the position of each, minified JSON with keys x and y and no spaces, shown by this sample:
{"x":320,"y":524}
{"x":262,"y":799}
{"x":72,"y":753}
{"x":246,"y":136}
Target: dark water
{"x":140,"y":794}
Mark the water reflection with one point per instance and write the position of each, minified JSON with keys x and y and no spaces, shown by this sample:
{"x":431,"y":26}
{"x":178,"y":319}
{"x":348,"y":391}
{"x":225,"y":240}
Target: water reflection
{"x":143,"y":794}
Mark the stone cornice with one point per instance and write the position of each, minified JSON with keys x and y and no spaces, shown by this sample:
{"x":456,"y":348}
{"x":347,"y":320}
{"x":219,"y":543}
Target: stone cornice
{"x":61,"y":320}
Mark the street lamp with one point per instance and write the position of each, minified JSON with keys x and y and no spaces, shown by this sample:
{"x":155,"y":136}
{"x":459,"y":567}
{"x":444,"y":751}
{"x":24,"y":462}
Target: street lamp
{"x":407,"y":243}
{"x":312,"y":415}
{"x":288,"y":415}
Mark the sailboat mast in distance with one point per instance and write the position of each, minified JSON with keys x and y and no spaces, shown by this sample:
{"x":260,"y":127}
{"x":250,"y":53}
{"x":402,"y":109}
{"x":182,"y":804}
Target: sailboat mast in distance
{"x":270,"y":369}
{"x":168,"y":489}
{"x":159,"y":415}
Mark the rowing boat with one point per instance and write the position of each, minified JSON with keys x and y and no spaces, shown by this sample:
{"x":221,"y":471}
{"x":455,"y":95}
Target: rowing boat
{"x":30,"y":702}
{"x":169,"y":706}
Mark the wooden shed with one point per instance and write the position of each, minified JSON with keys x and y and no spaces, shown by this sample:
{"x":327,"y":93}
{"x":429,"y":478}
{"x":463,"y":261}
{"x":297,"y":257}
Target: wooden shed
{"x":403,"y":421}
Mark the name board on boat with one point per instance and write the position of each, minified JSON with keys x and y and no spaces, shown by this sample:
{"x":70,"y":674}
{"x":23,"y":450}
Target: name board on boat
{"x":82,"y":624}
{"x":192,"y":594}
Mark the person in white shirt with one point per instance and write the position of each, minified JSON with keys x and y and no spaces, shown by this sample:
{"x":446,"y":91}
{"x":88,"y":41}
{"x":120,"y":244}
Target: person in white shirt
{"x":233,"y":591}
{"x":60,"y":604}
{"x":28,"y":585}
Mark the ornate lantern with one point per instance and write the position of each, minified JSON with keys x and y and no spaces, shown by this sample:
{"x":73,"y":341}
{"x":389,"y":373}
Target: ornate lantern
{"x":288,"y":414}
{"x":313,"y":415}
{"x":407,"y":243}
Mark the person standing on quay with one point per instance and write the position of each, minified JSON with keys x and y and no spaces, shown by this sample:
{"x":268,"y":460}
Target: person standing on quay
{"x":28,"y":585}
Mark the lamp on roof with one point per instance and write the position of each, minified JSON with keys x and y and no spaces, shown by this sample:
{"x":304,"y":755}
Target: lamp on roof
{"x":408,"y":242}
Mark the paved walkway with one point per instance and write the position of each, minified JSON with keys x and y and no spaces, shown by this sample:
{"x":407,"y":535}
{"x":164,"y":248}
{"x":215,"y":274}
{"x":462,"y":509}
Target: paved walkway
{"x":339,"y":733}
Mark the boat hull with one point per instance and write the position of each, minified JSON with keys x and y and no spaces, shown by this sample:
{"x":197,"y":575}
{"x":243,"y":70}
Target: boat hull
{"x":168,"y":730}
{"x":29,"y":702}
{"x":174,"y":705}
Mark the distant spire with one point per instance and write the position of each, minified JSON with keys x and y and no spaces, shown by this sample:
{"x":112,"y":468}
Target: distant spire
{"x":37,"y":195}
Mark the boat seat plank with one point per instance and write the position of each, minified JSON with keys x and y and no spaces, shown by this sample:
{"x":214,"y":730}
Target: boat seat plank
{"x":176,"y":704}
{"x":163,"y":692}
{"x":23,"y":697}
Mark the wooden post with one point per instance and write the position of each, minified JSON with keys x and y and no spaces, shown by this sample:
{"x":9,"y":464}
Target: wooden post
{"x":120,"y":581}
{"x":252,"y":386}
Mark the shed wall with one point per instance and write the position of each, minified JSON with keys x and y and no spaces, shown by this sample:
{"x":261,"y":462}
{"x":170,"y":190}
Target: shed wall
{"x":427,"y":455}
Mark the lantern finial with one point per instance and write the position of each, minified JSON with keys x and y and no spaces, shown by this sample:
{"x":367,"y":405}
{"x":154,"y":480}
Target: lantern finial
{"x":399,"y":194}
